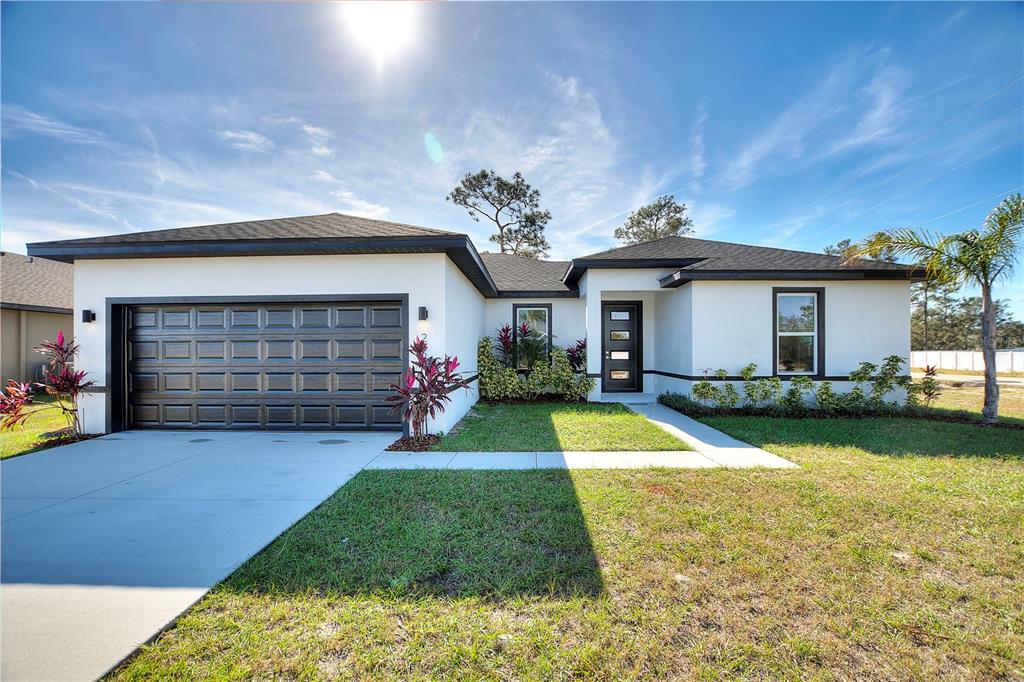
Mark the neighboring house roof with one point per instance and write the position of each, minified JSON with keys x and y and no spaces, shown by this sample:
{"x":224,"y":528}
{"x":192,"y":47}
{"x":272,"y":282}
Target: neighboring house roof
{"x":707,"y":259}
{"x":523,"y":277}
{"x":29,"y":283}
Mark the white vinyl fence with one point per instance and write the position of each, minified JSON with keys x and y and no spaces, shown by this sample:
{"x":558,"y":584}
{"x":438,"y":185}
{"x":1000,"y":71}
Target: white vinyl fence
{"x":1006,"y":360}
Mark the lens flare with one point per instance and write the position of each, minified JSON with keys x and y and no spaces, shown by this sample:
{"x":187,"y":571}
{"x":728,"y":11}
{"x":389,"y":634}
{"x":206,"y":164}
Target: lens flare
{"x":433,"y":146}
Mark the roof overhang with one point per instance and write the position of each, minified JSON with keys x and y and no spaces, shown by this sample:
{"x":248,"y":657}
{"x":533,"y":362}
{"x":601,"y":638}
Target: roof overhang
{"x":28,"y":307}
{"x":560,"y":293}
{"x":458,"y":248}
{"x":580,"y":265}
{"x":683,"y":276}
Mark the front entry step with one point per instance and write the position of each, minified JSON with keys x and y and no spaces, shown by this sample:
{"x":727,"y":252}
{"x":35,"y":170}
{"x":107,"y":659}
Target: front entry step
{"x":628,"y":398}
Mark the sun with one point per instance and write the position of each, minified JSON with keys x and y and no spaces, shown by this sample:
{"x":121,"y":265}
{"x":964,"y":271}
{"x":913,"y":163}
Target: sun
{"x":384,"y":29}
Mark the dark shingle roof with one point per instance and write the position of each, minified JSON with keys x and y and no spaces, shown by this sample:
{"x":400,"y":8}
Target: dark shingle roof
{"x":706,"y":259}
{"x":715,"y":255}
{"x":325,"y":226}
{"x":521,"y":274}
{"x":28,"y":282}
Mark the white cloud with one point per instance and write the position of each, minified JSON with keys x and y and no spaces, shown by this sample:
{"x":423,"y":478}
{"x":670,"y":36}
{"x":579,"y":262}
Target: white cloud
{"x":883,"y":117}
{"x":321,"y":150}
{"x":18,"y":120}
{"x":356,"y":206}
{"x":246,"y":140}
{"x":827,"y":120}
{"x":697,"y":162}
{"x":323,"y":176}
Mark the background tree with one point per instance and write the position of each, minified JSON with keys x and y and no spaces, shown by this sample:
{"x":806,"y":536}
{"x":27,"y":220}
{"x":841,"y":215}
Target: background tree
{"x":846,"y":248}
{"x":664,"y":217}
{"x":512,"y":205}
{"x":982,"y":257}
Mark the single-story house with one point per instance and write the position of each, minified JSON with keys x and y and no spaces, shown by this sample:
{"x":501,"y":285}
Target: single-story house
{"x":36,"y":301}
{"x":303,"y":323}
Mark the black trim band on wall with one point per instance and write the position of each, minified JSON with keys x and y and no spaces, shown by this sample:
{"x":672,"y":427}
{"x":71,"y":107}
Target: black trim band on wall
{"x":784,"y":377}
{"x":819,"y":316}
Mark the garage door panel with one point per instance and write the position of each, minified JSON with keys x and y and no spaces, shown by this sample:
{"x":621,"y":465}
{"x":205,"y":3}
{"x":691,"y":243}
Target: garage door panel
{"x":274,"y":366}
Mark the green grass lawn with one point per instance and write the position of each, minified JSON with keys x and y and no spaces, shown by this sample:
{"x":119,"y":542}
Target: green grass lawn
{"x":895,"y":552}
{"x":972,"y":398}
{"x":550,"y":427}
{"x":27,"y":438}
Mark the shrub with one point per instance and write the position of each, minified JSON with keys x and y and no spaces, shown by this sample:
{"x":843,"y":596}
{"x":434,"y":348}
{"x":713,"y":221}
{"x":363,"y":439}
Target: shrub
{"x":928,"y":389}
{"x":504,"y":346}
{"x":794,"y":400}
{"x":704,"y":391}
{"x":495,"y":381}
{"x":556,"y":378}
{"x":60,"y":380}
{"x":578,"y":356}
{"x":426,"y":387}
{"x":531,"y":347}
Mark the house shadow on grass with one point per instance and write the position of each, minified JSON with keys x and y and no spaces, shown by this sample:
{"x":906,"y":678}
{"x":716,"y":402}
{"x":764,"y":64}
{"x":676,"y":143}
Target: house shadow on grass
{"x":896,"y":437}
{"x":491,"y":534}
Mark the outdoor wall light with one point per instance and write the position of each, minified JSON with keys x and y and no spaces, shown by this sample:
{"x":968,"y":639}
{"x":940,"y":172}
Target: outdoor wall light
{"x":423,"y":312}
{"x":88,"y":316}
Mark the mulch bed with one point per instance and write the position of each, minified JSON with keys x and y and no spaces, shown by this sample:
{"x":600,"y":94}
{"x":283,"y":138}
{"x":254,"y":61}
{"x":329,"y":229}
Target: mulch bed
{"x":408,"y":443}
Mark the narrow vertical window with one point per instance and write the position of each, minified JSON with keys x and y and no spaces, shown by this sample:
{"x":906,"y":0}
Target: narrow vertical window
{"x":536,"y":344}
{"x":796,"y":341}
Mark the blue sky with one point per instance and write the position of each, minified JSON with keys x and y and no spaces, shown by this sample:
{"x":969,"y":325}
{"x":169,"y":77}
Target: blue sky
{"x":792,"y":125}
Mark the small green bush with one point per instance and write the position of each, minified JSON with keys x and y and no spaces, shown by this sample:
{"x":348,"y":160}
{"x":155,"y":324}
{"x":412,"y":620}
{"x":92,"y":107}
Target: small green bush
{"x":557,"y":378}
{"x":768,"y":395}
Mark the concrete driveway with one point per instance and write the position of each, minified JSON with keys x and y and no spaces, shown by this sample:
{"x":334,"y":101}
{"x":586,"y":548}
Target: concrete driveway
{"x":105,"y":542}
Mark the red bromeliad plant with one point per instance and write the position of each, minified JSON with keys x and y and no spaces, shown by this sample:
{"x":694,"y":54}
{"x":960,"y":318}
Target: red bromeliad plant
{"x":426,"y":387}
{"x":60,"y":380}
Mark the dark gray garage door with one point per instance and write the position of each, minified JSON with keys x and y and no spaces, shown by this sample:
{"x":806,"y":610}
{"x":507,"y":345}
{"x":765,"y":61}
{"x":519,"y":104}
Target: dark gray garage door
{"x":264,"y":366}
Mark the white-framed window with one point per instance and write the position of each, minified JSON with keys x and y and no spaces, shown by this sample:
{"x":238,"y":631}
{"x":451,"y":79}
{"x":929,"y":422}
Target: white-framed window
{"x":538,"y":318}
{"x":796,"y":332}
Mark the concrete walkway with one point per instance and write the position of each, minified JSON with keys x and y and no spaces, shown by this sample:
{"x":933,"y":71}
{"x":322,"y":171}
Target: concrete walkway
{"x":712,"y":448}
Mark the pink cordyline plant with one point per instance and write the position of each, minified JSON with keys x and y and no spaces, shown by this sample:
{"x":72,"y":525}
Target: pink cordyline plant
{"x":426,"y":387}
{"x":578,"y":355}
{"x":505,"y":346}
{"x":60,"y":380}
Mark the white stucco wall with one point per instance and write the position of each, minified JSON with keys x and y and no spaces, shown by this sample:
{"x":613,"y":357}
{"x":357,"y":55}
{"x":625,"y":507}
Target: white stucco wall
{"x":464,"y":325}
{"x":424,"y":277}
{"x":864,"y":320}
{"x":673,"y":339}
{"x":568,"y":317}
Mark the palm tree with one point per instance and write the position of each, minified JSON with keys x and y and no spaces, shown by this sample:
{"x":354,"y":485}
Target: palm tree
{"x":980,"y":257}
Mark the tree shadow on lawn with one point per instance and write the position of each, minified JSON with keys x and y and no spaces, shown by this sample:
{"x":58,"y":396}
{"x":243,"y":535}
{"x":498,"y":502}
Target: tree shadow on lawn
{"x":882,"y":436}
{"x":492,"y":534}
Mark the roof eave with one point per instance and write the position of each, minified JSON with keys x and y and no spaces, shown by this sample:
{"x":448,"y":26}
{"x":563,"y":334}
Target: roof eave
{"x":28,"y":307}
{"x":682,"y":276}
{"x":457,"y":247}
{"x":539,"y":293}
{"x":578,"y":266}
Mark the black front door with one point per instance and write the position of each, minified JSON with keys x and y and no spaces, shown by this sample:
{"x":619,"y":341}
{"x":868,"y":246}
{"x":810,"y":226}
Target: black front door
{"x":621,"y":342}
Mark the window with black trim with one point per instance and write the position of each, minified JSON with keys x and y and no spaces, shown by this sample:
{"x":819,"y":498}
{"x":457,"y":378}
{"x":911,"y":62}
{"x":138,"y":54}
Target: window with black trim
{"x":796,"y":332}
{"x":535,"y":319}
